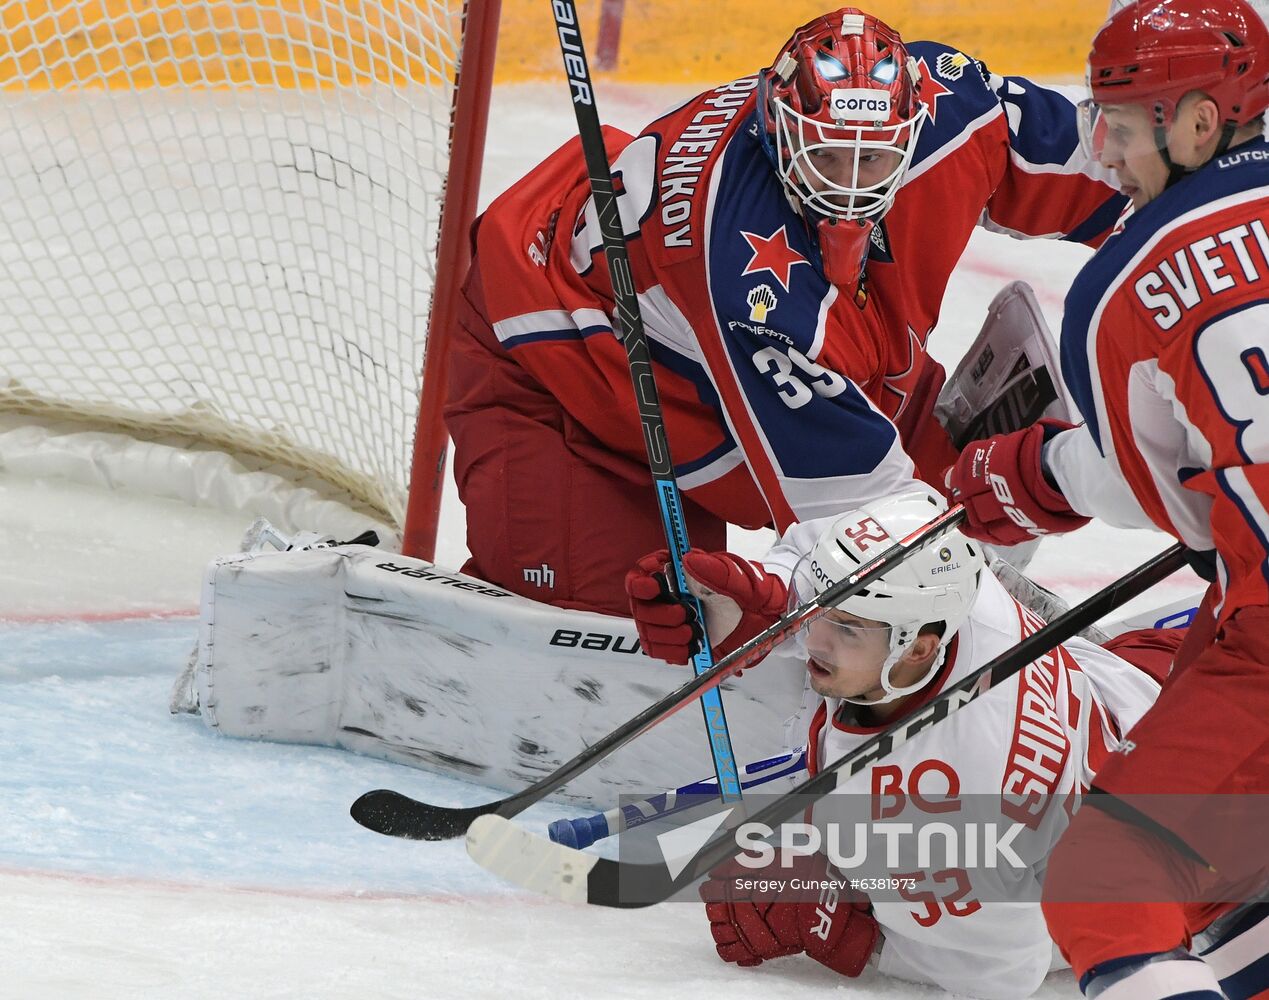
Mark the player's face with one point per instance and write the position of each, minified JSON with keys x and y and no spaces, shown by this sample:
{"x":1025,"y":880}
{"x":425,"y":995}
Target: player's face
{"x":842,"y":170}
{"x":848,"y":167}
{"x":1128,"y":146}
{"x":845,"y":654}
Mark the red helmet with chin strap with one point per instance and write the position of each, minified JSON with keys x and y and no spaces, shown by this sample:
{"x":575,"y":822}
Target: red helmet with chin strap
{"x":1154,"y":52}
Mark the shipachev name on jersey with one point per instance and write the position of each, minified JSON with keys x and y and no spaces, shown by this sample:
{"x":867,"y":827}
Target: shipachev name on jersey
{"x":779,"y":388}
{"x":1032,"y":742}
{"x":1164,"y":347}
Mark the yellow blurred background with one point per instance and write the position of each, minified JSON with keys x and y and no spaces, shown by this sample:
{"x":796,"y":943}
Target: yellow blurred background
{"x":671,"y":41}
{"x":61,"y":44}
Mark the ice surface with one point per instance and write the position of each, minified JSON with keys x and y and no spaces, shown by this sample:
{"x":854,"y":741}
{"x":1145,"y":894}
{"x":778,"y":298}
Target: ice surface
{"x":142,"y":856}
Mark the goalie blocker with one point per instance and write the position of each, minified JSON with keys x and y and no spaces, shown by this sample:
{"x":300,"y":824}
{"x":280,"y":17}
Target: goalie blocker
{"x":1007,"y":380}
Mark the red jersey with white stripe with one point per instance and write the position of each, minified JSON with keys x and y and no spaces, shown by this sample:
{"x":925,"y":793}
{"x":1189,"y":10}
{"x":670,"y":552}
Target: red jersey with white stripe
{"x":779,"y":388}
{"x":1032,"y":743}
{"x":1164,"y":347}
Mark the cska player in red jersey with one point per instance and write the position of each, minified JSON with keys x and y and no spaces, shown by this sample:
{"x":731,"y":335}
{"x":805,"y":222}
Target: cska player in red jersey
{"x":791,"y":237}
{"x":1164,"y":347}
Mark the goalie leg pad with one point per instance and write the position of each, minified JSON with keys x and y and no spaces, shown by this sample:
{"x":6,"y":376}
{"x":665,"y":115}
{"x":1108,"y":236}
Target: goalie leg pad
{"x":398,"y":658}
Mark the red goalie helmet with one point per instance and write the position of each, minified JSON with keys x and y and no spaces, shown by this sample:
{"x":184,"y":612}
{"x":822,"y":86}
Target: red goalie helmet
{"x":841,"y":114}
{"x":1154,"y":52}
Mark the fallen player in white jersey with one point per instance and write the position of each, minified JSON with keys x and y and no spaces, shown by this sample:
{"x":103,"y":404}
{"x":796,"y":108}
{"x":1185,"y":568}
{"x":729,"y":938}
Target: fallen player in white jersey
{"x":1032,"y":743}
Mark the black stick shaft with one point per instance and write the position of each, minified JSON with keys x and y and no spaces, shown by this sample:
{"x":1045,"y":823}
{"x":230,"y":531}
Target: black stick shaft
{"x":639,"y":359}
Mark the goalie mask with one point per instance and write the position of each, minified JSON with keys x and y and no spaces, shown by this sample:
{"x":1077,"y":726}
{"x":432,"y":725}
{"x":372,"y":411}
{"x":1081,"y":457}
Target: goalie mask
{"x":938,"y":583}
{"x":840,"y":118}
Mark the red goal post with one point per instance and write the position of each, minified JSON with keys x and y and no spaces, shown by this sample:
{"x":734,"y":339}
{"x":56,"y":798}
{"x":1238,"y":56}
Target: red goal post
{"x":462,"y":189}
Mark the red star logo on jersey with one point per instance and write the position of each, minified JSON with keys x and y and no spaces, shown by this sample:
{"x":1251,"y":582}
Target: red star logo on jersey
{"x":896,"y":382}
{"x":772,"y":253}
{"x":931,"y":89}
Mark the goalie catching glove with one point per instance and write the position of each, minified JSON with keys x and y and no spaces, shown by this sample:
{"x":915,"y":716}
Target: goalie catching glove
{"x":1001,"y":483}
{"x":835,"y":928}
{"x":739,"y":599}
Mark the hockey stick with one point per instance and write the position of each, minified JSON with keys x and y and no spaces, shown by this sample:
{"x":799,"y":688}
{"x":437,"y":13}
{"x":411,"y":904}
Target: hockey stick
{"x":522,"y":857}
{"x":583,"y":831}
{"x":639,"y":358}
{"x":397,"y":815}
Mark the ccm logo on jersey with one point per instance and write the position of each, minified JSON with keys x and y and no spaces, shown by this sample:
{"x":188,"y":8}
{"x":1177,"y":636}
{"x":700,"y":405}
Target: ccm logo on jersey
{"x":859,"y":104}
{"x":1208,"y":266}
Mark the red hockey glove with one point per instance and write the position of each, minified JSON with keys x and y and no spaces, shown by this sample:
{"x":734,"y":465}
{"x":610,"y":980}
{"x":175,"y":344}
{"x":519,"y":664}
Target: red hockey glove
{"x":739,"y":598}
{"x":1001,"y":482}
{"x":837,"y":929}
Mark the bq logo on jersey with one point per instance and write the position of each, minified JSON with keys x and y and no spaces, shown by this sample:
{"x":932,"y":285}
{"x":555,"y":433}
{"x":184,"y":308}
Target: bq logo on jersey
{"x":859,"y":104}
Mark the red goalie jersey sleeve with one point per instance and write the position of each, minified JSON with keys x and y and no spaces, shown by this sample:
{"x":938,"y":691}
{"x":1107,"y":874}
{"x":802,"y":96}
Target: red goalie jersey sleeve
{"x":1165,"y":347}
{"x":780,"y":390}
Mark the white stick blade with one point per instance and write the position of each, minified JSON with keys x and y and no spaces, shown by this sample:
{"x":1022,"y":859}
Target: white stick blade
{"x":523,"y":858}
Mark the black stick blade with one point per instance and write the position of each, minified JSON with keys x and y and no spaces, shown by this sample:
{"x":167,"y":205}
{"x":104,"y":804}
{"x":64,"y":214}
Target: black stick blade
{"x":396,"y":815}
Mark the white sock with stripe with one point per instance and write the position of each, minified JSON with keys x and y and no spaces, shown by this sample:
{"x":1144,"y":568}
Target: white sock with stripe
{"x":1236,"y":948}
{"x":1170,"y":975}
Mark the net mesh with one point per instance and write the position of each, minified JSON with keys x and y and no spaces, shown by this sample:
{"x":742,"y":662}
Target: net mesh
{"x":220,"y":220}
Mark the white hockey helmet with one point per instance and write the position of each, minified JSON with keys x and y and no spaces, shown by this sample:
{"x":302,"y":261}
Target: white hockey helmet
{"x":938,"y":583}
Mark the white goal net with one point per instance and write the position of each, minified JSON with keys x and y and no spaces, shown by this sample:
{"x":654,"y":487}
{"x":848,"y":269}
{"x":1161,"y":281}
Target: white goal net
{"x":217,"y":224}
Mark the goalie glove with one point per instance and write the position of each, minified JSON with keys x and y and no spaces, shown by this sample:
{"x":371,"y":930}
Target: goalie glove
{"x":739,"y":599}
{"x":836,"y":929}
{"x":1001,"y":482}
